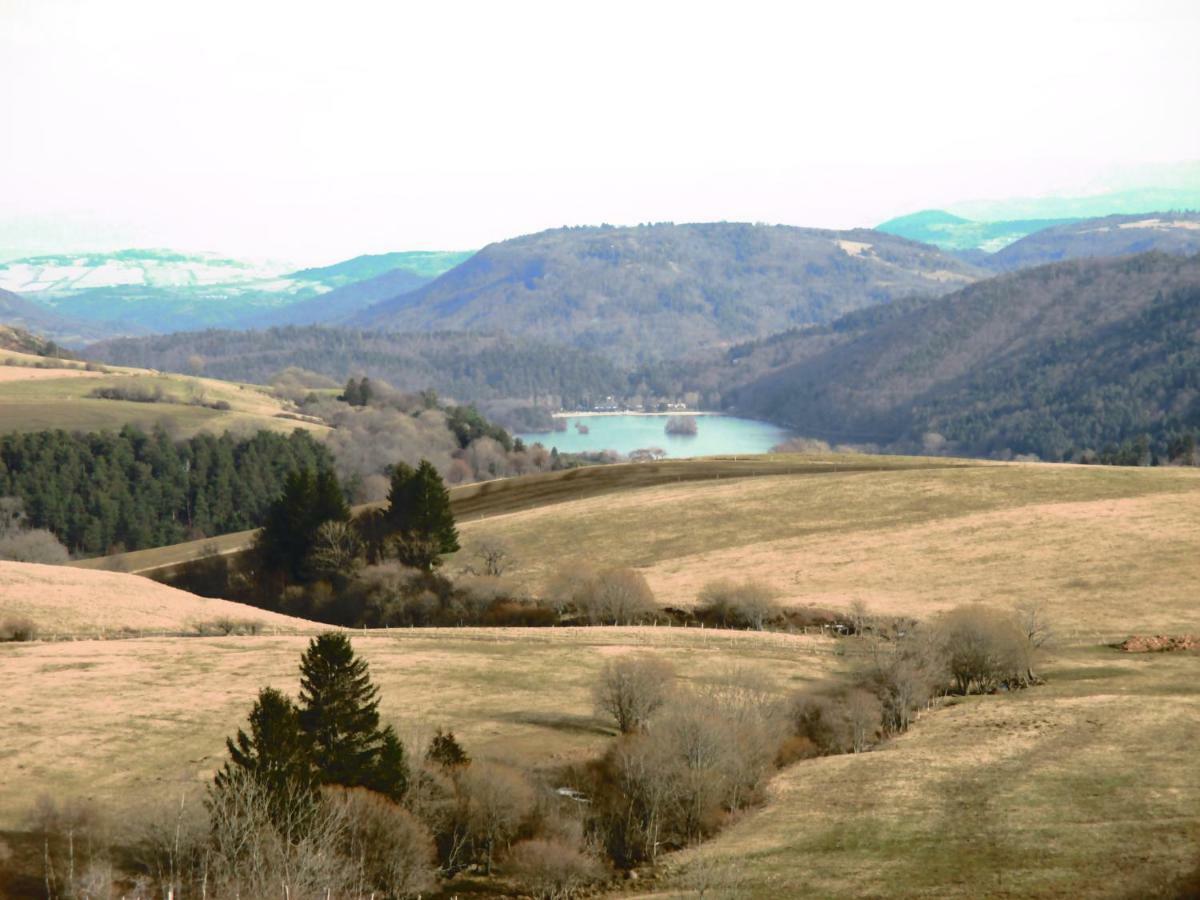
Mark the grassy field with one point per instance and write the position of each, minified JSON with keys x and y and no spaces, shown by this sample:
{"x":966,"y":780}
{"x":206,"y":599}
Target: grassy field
{"x":1085,"y":787}
{"x":71,"y":603}
{"x":1107,"y":549}
{"x":474,"y":502}
{"x":34,"y":399}
{"x":114,"y":719}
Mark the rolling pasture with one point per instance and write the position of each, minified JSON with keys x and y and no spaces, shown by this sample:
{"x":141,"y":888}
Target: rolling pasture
{"x":1086,"y":786}
{"x":38,"y":399}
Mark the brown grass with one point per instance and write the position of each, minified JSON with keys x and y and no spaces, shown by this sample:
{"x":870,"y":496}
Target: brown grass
{"x":1085,"y":787}
{"x":116,"y":719}
{"x":68,"y":602}
{"x":1096,"y":544}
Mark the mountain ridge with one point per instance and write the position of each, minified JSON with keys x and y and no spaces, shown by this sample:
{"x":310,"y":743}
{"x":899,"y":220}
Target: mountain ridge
{"x":647,"y":292}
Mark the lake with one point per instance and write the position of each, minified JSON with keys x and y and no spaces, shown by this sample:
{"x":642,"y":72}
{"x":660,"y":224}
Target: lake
{"x":625,"y":433}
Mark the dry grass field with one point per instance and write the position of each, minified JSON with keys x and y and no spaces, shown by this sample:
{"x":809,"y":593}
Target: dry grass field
{"x":36,"y":399}
{"x":1087,"y":786}
{"x":148,"y":717}
{"x":505,"y":496}
{"x":64,"y":602}
{"x":1109,"y":550}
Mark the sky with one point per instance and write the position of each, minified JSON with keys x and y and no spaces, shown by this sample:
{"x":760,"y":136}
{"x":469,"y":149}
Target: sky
{"x":311,"y":132}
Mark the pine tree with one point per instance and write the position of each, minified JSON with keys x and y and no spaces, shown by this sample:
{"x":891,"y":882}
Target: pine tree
{"x":275,"y":754}
{"x":390,"y":776}
{"x":445,"y":751}
{"x":419,"y":512}
{"x":339,"y":712}
{"x":400,"y":496}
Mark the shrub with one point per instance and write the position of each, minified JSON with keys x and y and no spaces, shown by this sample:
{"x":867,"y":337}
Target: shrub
{"x":553,"y":869}
{"x":747,"y":604}
{"x":34,"y":546}
{"x":983,"y":649}
{"x":18,"y":629}
{"x":616,"y":597}
{"x":131,"y":390}
{"x":392,"y":852}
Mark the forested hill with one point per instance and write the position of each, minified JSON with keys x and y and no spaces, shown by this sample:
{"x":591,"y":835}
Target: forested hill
{"x":475,"y":367}
{"x":661,"y":291}
{"x":1054,"y":359}
{"x":1174,"y":233}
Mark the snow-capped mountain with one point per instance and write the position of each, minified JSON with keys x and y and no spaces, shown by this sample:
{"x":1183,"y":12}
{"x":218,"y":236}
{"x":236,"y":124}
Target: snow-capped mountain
{"x":143,"y":291}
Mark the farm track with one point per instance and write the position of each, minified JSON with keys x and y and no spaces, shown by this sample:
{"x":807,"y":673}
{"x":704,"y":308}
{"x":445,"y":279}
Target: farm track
{"x":487,"y":499}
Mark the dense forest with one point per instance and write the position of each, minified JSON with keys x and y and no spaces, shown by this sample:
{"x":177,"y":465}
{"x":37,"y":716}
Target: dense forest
{"x":1053,"y":361}
{"x":103,"y":493}
{"x":661,"y":291}
{"x":470,"y":367}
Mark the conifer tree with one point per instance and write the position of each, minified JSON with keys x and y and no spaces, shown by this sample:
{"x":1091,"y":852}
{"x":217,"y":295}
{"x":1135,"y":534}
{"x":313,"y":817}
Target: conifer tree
{"x":339,"y":712}
{"x":420,"y":514}
{"x":446,"y":751}
{"x":390,"y":776}
{"x":400,"y":496}
{"x":274,"y":753}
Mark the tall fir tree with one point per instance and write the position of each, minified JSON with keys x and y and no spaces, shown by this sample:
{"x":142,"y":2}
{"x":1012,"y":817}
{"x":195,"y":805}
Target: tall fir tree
{"x":420,"y":514}
{"x":290,"y":530}
{"x":339,"y":714}
{"x":275,"y":754}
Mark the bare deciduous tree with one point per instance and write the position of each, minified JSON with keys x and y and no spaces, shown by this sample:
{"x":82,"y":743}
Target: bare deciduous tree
{"x":493,"y":802}
{"x":1035,"y":626}
{"x":632,"y":688}
{"x":337,"y":550}
{"x":745,"y":604}
{"x":493,"y":554}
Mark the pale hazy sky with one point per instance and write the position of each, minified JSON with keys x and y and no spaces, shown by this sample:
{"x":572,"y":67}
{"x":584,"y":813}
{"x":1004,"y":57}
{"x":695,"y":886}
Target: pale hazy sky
{"x":316,"y":131}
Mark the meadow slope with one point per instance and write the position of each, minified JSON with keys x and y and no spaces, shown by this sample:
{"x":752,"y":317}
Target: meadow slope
{"x":38,"y":399}
{"x":1083,"y":787}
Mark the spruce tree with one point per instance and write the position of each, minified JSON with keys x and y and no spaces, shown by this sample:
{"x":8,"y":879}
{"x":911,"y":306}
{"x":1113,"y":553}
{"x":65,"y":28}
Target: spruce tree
{"x":339,"y":712}
{"x":274,"y":753}
{"x":400,"y":496}
{"x":390,"y":775}
{"x":445,"y":751}
{"x":420,"y":514}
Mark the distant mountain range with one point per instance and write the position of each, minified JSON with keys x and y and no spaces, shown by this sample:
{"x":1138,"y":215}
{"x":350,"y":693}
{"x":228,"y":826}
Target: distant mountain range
{"x":1174,"y":233}
{"x":657,"y":291}
{"x":1067,"y":356}
{"x":148,"y":291}
{"x":951,"y":232}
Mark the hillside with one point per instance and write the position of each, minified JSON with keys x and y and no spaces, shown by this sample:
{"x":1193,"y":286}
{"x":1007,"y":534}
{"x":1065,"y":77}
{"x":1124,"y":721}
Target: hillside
{"x":1070,"y":356}
{"x":28,"y":315}
{"x":1174,"y":233}
{"x":1084,"y":786}
{"x":655,"y":291}
{"x":476,"y":367}
{"x":35,"y":398}
{"x":77,"y":603}
{"x":26,"y":342}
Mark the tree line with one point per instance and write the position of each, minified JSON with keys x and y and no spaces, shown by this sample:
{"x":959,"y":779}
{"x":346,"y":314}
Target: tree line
{"x":107,"y":492}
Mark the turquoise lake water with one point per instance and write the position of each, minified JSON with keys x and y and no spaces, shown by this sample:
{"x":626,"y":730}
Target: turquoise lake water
{"x":715,"y":435}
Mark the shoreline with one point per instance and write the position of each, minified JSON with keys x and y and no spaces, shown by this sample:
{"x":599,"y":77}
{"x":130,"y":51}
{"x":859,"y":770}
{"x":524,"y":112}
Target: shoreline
{"x":580,"y":415}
